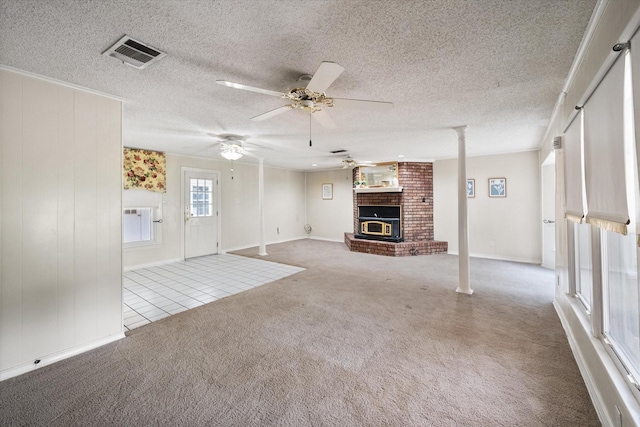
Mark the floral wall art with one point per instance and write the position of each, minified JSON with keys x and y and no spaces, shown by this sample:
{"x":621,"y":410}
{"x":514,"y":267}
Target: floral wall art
{"x":145,"y":169}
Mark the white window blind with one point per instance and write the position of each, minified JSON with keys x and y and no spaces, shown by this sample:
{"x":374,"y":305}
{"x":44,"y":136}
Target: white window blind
{"x":604,"y":153}
{"x":573,"y":177}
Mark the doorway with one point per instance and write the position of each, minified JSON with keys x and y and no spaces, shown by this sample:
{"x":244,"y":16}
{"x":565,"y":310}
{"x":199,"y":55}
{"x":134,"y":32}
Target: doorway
{"x":548,"y":211}
{"x":200,"y":207}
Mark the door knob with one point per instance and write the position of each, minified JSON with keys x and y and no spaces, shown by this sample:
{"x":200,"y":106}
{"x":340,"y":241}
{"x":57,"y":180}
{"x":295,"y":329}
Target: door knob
{"x":548,"y":221}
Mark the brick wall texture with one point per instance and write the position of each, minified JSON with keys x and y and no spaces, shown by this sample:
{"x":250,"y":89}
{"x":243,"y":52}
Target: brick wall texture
{"x":416,"y":202}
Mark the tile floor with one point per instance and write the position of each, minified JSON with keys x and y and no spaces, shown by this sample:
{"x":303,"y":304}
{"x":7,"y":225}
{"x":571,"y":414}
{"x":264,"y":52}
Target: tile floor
{"x":154,"y":293}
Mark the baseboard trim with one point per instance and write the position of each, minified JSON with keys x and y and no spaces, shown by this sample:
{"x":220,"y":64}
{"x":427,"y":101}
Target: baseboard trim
{"x":150,"y":264}
{"x":592,"y":388}
{"x":56,"y":357}
{"x":256,"y":245}
{"x":502,"y":258}
{"x":327,"y":239}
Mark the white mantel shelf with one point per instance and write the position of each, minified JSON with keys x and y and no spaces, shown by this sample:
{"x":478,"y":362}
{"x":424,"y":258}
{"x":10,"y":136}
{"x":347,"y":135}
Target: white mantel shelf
{"x":378,"y":190}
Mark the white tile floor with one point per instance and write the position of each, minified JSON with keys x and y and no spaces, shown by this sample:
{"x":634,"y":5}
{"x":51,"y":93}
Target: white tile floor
{"x":155,"y":293}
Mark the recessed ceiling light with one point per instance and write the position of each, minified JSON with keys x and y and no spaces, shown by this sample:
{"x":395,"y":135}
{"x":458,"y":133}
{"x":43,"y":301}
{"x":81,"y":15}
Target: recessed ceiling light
{"x":314,"y":164}
{"x":400,"y":155}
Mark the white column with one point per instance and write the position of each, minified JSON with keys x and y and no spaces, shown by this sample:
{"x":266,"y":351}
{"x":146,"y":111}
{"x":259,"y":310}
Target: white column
{"x":463,"y":229}
{"x":263,"y":247}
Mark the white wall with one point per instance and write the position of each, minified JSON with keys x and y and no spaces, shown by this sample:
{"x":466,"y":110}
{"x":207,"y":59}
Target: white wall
{"x":503,"y":228}
{"x":284,"y":197}
{"x":330,"y":219}
{"x":606,"y":385}
{"x":284,"y":208}
{"x":60,"y":230}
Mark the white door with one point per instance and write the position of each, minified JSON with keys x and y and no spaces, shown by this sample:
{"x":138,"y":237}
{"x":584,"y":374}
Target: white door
{"x":549,"y":212}
{"x":200,"y":213}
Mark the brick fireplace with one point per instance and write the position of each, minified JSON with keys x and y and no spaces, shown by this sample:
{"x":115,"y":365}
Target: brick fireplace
{"x":416,"y":210}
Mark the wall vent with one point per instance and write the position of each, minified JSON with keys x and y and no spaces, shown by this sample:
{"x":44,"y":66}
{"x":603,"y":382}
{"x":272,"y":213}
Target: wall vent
{"x":134,"y":53}
{"x":557,"y":143}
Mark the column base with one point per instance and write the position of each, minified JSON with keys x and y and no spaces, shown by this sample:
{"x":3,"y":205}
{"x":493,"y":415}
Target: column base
{"x":463,"y":291}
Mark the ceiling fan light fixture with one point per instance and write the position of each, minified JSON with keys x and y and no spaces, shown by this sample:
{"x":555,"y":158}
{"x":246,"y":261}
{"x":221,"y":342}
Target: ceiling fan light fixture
{"x":231,"y":154}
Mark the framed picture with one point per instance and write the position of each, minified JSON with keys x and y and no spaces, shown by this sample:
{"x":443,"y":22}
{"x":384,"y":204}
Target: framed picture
{"x":497,"y":187}
{"x":471,"y":188}
{"x":327,"y":191}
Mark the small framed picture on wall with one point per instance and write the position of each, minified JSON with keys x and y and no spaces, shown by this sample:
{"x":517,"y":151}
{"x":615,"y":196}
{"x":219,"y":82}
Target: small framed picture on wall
{"x":497,"y":187}
{"x":471,"y":188}
{"x":327,"y":191}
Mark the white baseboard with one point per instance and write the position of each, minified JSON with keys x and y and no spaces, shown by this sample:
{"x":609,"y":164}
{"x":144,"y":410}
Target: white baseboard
{"x":255,"y":245}
{"x":327,"y":239}
{"x":55,"y":357}
{"x":150,"y":264}
{"x":502,"y":258}
{"x":589,"y":381}
{"x":605,"y":383}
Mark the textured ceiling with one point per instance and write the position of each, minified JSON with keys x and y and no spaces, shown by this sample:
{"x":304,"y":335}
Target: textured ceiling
{"x":497,"y":66}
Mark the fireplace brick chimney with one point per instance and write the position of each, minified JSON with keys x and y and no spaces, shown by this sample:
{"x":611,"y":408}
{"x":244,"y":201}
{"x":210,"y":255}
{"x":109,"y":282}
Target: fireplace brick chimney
{"x":416,"y":201}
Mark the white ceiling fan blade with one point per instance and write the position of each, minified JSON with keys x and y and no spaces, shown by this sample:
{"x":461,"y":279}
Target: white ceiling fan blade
{"x":250,"y":88}
{"x":324,"y":119}
{"x":363,"y":104}
{"x":325,"y":75}
{"x":248,"y":153}
{"x":271,"y":113}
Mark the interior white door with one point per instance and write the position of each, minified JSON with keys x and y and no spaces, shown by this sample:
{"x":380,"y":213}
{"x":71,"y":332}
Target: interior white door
{"x":200,"y":213}
{"x":548,"y":212}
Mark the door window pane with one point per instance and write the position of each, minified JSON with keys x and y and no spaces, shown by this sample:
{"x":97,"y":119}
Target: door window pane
{"x":201,"y":197}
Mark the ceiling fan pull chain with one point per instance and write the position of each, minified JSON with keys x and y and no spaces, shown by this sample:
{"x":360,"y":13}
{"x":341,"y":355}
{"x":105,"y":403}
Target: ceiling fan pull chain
{"x":309,"y":129}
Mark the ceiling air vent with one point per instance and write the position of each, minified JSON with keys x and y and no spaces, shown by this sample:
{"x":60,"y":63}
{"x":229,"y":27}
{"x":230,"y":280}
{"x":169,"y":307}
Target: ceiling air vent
{"x":338,"y":151}
{"x":134,"y":53}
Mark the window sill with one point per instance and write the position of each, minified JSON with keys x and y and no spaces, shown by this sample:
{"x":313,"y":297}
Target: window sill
{"x":139,"y":245}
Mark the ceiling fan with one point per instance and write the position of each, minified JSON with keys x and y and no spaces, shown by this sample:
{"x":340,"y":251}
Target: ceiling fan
{"x":350,"y":162}
{"x":312,"y":97}
{"x":232,"y":147}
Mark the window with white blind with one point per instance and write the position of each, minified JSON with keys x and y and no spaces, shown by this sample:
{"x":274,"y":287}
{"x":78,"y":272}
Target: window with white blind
{"x":620,"y":297}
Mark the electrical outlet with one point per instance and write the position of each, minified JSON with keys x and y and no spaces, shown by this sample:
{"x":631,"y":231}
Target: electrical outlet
{"x":492,"y":243}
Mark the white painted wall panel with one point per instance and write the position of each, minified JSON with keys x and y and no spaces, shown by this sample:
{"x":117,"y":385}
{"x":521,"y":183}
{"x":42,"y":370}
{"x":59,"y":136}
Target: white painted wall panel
{"x":109,"y":216}
{"x":65,"y":216}
{"x":60,"y":220}
{"x":11,"y":221}
{"x":39,"y":238}
{"x":86,"y":199}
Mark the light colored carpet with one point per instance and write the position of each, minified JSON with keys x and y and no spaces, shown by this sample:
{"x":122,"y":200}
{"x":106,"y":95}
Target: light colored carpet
{"x":354,"y":340}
